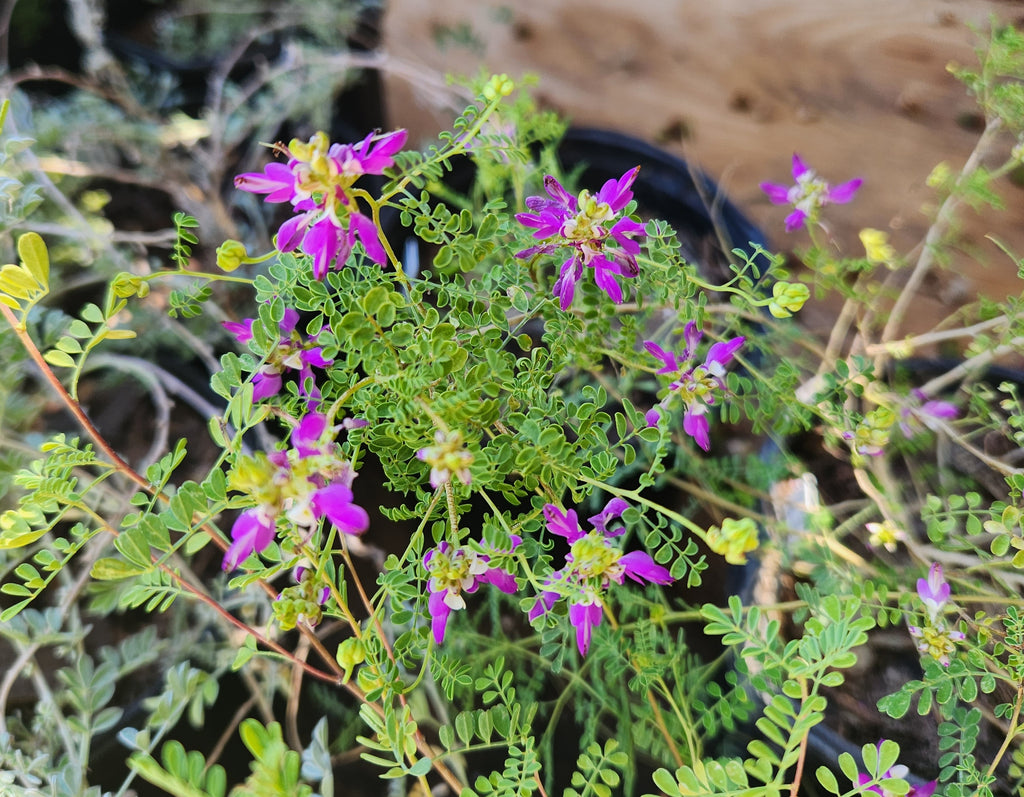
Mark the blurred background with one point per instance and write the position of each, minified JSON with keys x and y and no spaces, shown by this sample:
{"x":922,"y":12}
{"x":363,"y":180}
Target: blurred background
{"x":859,"y":88}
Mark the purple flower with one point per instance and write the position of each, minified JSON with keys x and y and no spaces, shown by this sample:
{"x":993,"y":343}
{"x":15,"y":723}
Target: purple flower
{"x":589,"y":227}
{"x":454,"y":571}
{"x":922,"y":410}
{"x":292,"y":352}
{"x":298,"y":488}
{"x":317,"y":181}
{"x":251,"y":533}
{"x":899,"y":771}
{"x":933,"y":591}
{"x":936,"y":638}
{"x":695,"y":384}
{"x":592,"y":565}
{"x":808,"y":195}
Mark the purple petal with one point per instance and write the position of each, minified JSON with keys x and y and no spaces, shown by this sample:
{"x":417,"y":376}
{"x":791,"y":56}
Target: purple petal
{"x":497,"y":577}
{"x":652,"y":416}
{"x":335,"y":502}
{"x":322,"y":243}
{"x":379,"y":157}
{"x":605,"y":279}
{"x":315,"y":357}
{"x":777,"y":194}
{"x":613,"y":509}
{"x":565,"y":524}
{"x":692,"y":336}
{"x":616,"y":192}
{"x":723,"y":351}
{"x":639,"y":566}
{"x":439,"y":613}
{"x":565,"y":285}
{"x":940,"y":409}
{"x":364,"y":228}
{"x":241,"y":330}
{"x":668,"y":358}
{"x":799,"y":167}
{"x":251,"y":534}
{"x":558,"y":193}
{"x":795,"y":220}
{"x":696,"y":425}
{"x":307,"y":435}
{"x":289,"y":321}
{"x":585,"y":617}
{"x":289,"y":234}
{"x":276,"y":180}
{"x":265,"y":384}
{"x":844,"y":192}
{"x":544,"y":603}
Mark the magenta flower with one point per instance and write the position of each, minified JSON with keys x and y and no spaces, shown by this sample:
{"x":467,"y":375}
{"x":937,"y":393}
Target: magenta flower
{"x":292,"y":352}
{"x":251,"y":533}
{"x":901,"y":772}
{"x":936,"y":638}
{"x":808,"y":195}
{"x":455,"y":571}
{"x":934,"y":591}
{"x":588,"y":226}
{"x":318,"y":181}
{"x":924,"y":411}
{"x":695,"y":384}
{"x":592,"y":565}
{"x":295,"y":488}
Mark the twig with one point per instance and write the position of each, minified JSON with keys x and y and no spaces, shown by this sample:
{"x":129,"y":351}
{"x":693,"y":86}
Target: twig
{"x":942,"y":221}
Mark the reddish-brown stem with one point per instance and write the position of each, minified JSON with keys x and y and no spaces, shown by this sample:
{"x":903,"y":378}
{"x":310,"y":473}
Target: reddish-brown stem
{"x":799,"y":774}
{"x":72,"y":405}
{"x":124,"y":468}
{"x":421,"y":743}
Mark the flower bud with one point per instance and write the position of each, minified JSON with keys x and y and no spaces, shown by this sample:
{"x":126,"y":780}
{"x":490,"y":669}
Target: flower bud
{"x":734,"y":539}
{"x":126,"y":285}
{"x":230,"y":255}
{"x":498,"y":86}
{"x":787,"y":298}
{"x":876,"y":246}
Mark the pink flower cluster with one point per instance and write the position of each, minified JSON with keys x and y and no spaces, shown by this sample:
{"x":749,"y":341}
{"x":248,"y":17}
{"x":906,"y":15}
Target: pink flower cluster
{"x":592,"y":565}
{"x":809,"y":194}
{"x":298,"y":487}
{"x":697,"y":385}
{"x":317,"y":180}
{"x":291,"y":353}
{"x":591,"y":229}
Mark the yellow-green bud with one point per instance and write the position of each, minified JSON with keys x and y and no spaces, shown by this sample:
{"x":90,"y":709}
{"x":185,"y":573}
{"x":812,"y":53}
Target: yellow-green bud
{"x":734,"y":539}
{"x":787,"y":298}
{"x":876,"y":246}
{"x":126,"y":285}
{"x":350,"y":653}
{"x":230,"y":255}
{"x":940,"y":176}
{"x":498,"y":86}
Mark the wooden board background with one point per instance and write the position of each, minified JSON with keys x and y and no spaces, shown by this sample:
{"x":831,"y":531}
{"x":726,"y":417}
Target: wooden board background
{"x":857,"y":87}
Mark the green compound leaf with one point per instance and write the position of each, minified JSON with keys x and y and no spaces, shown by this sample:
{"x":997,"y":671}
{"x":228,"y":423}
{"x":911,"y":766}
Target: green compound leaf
{"x":35,"y":259}
{"x":59,"y":359}
{"x":112,"y":569}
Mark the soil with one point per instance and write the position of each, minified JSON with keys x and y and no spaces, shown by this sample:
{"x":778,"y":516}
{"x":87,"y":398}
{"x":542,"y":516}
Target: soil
{"x":858,"y":88}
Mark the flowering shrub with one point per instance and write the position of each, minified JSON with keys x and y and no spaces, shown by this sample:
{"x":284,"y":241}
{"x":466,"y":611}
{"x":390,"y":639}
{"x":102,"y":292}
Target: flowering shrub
{"x":402,"y":451}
